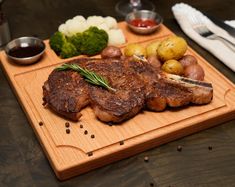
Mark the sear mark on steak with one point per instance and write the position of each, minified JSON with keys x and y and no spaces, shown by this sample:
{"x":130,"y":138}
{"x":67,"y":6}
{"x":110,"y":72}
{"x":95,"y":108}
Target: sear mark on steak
{"x":138,"y":85}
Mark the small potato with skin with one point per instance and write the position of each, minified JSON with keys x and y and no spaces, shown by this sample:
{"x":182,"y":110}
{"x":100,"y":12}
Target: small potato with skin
{"x":134,"y":49}
{"x":151,"y":49}
{"x":111,"y":52}
{"x":188,"y":60}
{"x":195,"y":72}
{"x":173,"y":47}
{"x":173,"y":67}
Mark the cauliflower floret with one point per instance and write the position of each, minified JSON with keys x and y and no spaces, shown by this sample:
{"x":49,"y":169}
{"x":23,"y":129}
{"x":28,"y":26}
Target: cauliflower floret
{"x":111,"y":22}
{"x":116,"y":37}
{"x":69,"y":21}
{"x":63,"y":29}
{"x":95,"y":20}
{"x":75,"y":26}
{"x":79,"y":18}
{"x":103,"y":26}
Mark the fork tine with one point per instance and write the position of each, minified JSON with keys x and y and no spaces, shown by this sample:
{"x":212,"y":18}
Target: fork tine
{"x":200,"y":27}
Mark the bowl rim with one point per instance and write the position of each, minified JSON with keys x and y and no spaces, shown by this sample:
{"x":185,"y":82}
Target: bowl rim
{"x":24,"y":58}
{"x":157,"y":16}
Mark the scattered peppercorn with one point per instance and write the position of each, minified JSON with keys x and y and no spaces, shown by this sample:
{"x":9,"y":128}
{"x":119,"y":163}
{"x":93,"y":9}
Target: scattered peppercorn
{"x":41,"y":123}
{"x":90,"y":154}
{"x":67,"y":124}
{"x":121,"y":142}
{"x":210,"y":147}
{"x":146,"y":159}
{"x":67,"y":131}
{"x":81,"y":126}
{"x":179,"y":148}
{"x":92,"y":136}
{"x":151,"y":184}
{"x":85,"y":132}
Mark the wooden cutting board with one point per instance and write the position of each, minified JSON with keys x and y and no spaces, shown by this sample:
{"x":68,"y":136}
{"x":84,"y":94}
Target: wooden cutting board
{"x":75,"y":153}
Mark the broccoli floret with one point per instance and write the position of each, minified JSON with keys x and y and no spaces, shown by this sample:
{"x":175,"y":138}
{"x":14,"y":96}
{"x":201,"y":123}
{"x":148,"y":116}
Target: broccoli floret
{"x":68,"y":50}
{"x":94,"y":40}
{"x":57,"y":41}
{"x":76,"y":40}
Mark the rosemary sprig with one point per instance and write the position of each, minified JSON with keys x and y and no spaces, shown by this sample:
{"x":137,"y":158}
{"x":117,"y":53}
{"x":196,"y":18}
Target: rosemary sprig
{"x":90,"y":76}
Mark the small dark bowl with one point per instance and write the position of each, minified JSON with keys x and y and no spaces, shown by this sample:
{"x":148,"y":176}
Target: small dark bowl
{"x":144,"y":15}
{"x":25,"y":42}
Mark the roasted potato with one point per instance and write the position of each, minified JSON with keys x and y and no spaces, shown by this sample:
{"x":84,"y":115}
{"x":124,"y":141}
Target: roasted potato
{"x":111,"y":52}
{"x":151,"y":49}
{"x":134,"y":49}
{"x":173,"y":67}
{"x":173,"y":47}
{"x":188,"y":60}
{"x":194,"y":71}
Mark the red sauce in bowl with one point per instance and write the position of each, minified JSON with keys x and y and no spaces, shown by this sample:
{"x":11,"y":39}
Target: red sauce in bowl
{"x":147,"y":23}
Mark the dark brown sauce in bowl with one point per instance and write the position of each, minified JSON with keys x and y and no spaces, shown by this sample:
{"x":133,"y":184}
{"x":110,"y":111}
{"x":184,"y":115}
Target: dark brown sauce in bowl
{"x":24,"y":52}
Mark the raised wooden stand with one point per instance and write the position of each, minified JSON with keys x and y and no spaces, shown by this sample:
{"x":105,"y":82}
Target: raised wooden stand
{"x":76,"y":153}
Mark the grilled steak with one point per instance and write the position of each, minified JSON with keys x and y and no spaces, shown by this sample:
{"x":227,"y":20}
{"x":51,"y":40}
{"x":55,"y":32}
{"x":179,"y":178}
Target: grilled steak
{"x":126,"y":101}
{"x":138,"y":85}
{"x":66,"y":93}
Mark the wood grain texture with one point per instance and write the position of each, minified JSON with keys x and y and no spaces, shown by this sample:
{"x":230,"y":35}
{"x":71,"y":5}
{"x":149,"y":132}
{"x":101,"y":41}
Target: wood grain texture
{"x":69,"y":154}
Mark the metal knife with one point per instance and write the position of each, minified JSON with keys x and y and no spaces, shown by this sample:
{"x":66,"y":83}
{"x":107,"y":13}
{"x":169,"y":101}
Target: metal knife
{"x":221,"y":24}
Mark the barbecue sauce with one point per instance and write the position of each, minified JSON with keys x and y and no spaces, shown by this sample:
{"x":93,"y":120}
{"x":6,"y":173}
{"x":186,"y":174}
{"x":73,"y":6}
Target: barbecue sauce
{"x":24,"y":52}
{"x":143,"y":23}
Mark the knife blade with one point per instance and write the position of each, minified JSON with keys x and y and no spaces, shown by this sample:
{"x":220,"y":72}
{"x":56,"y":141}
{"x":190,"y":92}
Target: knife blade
{"x":221,"y":24}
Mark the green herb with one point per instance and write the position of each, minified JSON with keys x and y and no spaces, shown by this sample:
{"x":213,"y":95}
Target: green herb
{"x":90,"y":76}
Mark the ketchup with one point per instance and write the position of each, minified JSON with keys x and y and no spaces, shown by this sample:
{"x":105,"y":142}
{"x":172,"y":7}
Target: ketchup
{"x":143,"y":23}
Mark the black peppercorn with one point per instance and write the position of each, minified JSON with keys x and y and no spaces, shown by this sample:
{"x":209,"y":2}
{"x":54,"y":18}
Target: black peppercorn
{"x":121,"y":142}
{"x":41,"y":123}
{"x":146,"y":159}
{"x":92,"y":136}
{"x":179,"y":148}
{"x":81,"y":126}
{"x":85,"y":132}
{"x":67,"y":131}
{"x":90,"y":154}
{"x":67,"y":124}
{"x":210,"y":147}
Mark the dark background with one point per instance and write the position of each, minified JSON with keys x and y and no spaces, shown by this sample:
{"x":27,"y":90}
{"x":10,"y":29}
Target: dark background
{"x":22,"y":161}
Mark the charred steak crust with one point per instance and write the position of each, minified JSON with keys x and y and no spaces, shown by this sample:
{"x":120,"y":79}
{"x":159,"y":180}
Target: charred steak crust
{"x":123,"y":104}
{"x":129,"y":97}
{"x":138,"y":85}
{"x":66,"y":92}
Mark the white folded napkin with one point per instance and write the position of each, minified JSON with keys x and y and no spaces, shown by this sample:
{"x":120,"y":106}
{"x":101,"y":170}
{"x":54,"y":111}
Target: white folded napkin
{"x":182,"y":13}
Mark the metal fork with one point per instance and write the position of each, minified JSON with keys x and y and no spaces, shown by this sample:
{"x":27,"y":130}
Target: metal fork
{"x":202,"y":29}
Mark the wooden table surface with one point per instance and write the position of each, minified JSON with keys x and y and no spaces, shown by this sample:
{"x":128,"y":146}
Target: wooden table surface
{"x":207,"y":158}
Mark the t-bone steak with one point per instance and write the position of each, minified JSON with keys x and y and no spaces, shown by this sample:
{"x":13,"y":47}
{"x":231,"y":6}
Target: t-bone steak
{"x":138,"y":86}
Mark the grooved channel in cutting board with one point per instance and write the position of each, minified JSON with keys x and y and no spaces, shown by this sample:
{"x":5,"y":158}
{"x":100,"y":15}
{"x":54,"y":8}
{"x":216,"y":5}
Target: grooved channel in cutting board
{"x":105,"y":135}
